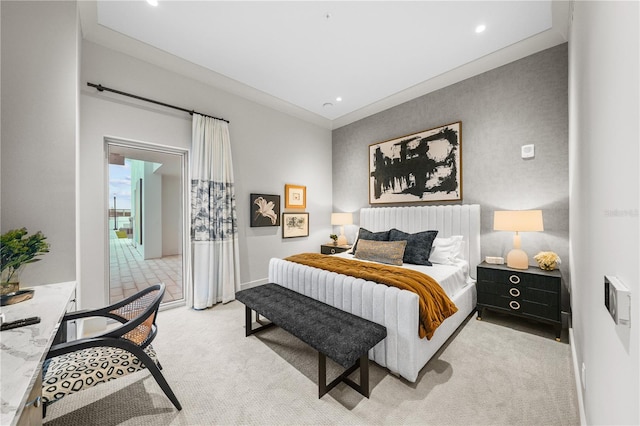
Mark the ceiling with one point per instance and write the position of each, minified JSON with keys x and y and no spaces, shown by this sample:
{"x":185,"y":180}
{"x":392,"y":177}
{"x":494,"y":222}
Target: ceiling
{"x":300,"y":56}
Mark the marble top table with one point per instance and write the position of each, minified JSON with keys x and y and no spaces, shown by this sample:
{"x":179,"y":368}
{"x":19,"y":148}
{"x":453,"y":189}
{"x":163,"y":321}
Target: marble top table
{"x":22,"y":350}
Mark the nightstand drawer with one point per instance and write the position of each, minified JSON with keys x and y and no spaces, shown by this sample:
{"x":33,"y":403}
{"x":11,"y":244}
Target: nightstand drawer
{"x":517,"y":292}
{"x":521,"y":279}
{"x":331,"y":249}
{"x":521,"y":306}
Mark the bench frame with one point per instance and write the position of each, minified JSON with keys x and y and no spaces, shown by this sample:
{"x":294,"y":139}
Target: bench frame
{"x":362,"y":363}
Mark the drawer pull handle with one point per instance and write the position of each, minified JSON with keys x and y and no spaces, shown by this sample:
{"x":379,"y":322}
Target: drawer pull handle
{"x":514,"y":279}
{"x":514,"y":305}
{"x":333,"y":251}
{"x":514,"y":292}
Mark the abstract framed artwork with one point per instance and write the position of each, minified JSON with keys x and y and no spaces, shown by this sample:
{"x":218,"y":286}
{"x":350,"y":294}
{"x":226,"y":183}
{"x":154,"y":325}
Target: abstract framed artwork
{"x":265,"y":210}
{"x":295,"y":196}
{"x":420,"y":167}
{"x":295,"y":225}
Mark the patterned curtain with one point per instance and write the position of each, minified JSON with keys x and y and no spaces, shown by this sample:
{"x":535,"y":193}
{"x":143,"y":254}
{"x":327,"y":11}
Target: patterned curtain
{"x":214,"y":224}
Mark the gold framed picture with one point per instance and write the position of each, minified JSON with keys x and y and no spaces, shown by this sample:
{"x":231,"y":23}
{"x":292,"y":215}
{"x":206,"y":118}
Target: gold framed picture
{"x":295,"y":196}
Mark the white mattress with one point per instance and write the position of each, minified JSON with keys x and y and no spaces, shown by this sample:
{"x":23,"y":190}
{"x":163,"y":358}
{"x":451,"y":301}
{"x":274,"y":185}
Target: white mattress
{"x":452,"y":278}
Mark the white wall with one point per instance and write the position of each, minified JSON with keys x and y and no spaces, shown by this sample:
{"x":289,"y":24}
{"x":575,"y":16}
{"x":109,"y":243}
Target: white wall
{"x":171,"y":215}
{"x":269,"y":150}
{"x":604,"y":193}
{"x":151,"y":213}
{"x":40,"y":58}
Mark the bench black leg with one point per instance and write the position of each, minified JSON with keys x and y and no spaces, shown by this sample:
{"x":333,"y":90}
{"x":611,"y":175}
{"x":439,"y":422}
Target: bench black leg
{"x":362,"y":388}
{"x":248,"y":322}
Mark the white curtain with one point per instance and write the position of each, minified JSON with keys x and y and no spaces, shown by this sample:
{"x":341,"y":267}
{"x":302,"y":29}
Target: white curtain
{"x":214,"y":225}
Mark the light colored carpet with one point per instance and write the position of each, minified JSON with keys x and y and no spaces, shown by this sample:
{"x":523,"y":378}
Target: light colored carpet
{"x":498,"y":371}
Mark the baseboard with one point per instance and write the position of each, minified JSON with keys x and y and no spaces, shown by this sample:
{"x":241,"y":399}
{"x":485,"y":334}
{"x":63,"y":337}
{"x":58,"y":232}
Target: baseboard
{"x":576,"y":371}
{"x":254,"y":283}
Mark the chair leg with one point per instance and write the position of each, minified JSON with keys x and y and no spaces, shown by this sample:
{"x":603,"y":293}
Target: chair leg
{"x":157,"y":374}
{"x":155,"y":371}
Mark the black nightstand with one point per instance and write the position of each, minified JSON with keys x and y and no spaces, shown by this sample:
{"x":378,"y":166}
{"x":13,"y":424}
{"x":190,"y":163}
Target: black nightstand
{"x":333,"y":249}
{"x":532,"y":293}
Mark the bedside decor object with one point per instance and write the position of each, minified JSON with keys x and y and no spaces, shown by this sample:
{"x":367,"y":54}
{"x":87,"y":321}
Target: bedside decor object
{"x":17,"y":249}
{"x":424,"y":166}
{"x":334,"y":237}
{"x":295,"y":225}
{"x":518,"y":221}
{"x":295,"y":196}
{"x":265,"y":210}
{"x":342,"y":219}
{"x":547,"y":260}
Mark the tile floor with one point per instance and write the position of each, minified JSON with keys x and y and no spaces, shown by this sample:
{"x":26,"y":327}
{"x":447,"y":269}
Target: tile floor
{"x":130,"y":273}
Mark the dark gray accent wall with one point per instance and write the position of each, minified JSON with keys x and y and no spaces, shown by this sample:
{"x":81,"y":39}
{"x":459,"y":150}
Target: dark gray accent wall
{"x":524,"y":102}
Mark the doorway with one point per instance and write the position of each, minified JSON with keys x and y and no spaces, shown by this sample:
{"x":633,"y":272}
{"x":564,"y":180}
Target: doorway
{"x":147,"y":227}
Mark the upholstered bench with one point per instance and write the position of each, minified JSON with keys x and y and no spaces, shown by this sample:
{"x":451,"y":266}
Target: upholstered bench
{"x":339,"y":335}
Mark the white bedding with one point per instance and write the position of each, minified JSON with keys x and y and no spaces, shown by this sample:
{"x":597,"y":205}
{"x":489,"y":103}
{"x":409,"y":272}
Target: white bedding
{"x":452,"y":278}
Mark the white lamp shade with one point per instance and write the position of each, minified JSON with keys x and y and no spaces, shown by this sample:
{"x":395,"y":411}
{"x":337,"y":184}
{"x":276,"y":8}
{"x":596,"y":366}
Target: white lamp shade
{"x":518,"y":220}
{"x":341,"y":218}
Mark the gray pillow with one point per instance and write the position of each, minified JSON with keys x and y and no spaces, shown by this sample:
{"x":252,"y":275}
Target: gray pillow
{"x":389,"y":252}
{"x":418,"y":245}
{"x":365,"y":234}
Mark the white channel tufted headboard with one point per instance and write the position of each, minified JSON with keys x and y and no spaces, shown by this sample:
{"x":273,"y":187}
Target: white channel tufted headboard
{"x":448,"y":220}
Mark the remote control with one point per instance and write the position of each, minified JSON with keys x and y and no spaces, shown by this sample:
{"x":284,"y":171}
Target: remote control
{"x":20,"y":323}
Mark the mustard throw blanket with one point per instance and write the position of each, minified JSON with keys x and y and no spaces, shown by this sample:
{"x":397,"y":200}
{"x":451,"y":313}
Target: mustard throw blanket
{"x":435,"y":306}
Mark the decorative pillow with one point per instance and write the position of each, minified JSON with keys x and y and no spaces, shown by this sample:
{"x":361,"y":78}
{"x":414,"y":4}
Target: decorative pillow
{"x":390,"y":252}
{"x":418,"y":245}
{"x":365,"y":234}
{"x":446,"y":250}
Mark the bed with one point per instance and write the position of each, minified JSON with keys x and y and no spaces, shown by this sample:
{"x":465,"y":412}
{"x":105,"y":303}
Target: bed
{"x":403,"y":352}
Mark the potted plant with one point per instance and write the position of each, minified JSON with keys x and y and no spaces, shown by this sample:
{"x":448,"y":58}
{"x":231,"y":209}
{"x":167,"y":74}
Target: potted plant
{"x":17,"y":249}
{"x":334,"y":237}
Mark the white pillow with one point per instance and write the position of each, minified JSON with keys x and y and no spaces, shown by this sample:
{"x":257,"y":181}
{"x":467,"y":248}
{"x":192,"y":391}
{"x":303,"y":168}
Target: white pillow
{"x":445,"y":251}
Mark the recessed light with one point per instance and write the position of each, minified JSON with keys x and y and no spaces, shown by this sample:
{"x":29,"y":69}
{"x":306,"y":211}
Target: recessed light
{"x":327,"y":104}
{"x":153,"y":2}
{"x":338,"y":99}
{"x":480,"y":28}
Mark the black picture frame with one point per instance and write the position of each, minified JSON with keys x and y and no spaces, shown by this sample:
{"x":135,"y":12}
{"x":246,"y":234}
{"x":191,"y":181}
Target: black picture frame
{"x":295,"y":225}
{"x":265,"y":210}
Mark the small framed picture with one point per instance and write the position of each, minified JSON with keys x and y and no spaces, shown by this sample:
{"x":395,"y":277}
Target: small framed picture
{"x":295,"y":225}
{"x":295,"y":197}
{"x":265,"y":210}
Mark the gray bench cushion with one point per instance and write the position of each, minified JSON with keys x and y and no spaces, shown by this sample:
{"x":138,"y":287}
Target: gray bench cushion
{"x":341,"y":336}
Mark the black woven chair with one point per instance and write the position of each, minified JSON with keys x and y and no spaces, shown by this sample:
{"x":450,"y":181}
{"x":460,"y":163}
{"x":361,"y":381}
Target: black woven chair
{"x":73,"y":366}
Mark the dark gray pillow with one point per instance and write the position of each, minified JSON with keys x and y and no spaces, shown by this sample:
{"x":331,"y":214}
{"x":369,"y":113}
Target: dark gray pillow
{"x":418,"y":245}
{"x":365,"y":234}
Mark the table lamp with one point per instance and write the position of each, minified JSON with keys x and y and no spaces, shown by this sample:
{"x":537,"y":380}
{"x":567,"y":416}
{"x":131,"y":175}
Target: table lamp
{"x":342,"y":219}
{"x":518,"y":221}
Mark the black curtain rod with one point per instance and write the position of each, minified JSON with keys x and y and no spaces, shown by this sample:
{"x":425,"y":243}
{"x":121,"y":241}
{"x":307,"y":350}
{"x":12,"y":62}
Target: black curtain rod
{"x":102,"y":88}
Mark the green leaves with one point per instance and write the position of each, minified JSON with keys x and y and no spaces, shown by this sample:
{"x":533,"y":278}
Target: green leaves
{"x":17,"y":248}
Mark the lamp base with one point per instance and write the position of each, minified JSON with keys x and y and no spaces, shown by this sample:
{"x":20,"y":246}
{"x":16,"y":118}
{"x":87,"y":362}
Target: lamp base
{"x":342,"y":240}
{"x":517,"y":259}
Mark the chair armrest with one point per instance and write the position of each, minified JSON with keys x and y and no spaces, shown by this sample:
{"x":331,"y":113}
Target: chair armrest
{"x":90,"y":342}
{"x":87,"y":313}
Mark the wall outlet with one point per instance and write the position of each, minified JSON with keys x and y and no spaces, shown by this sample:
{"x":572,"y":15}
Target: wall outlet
{"x":583,"y":377}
